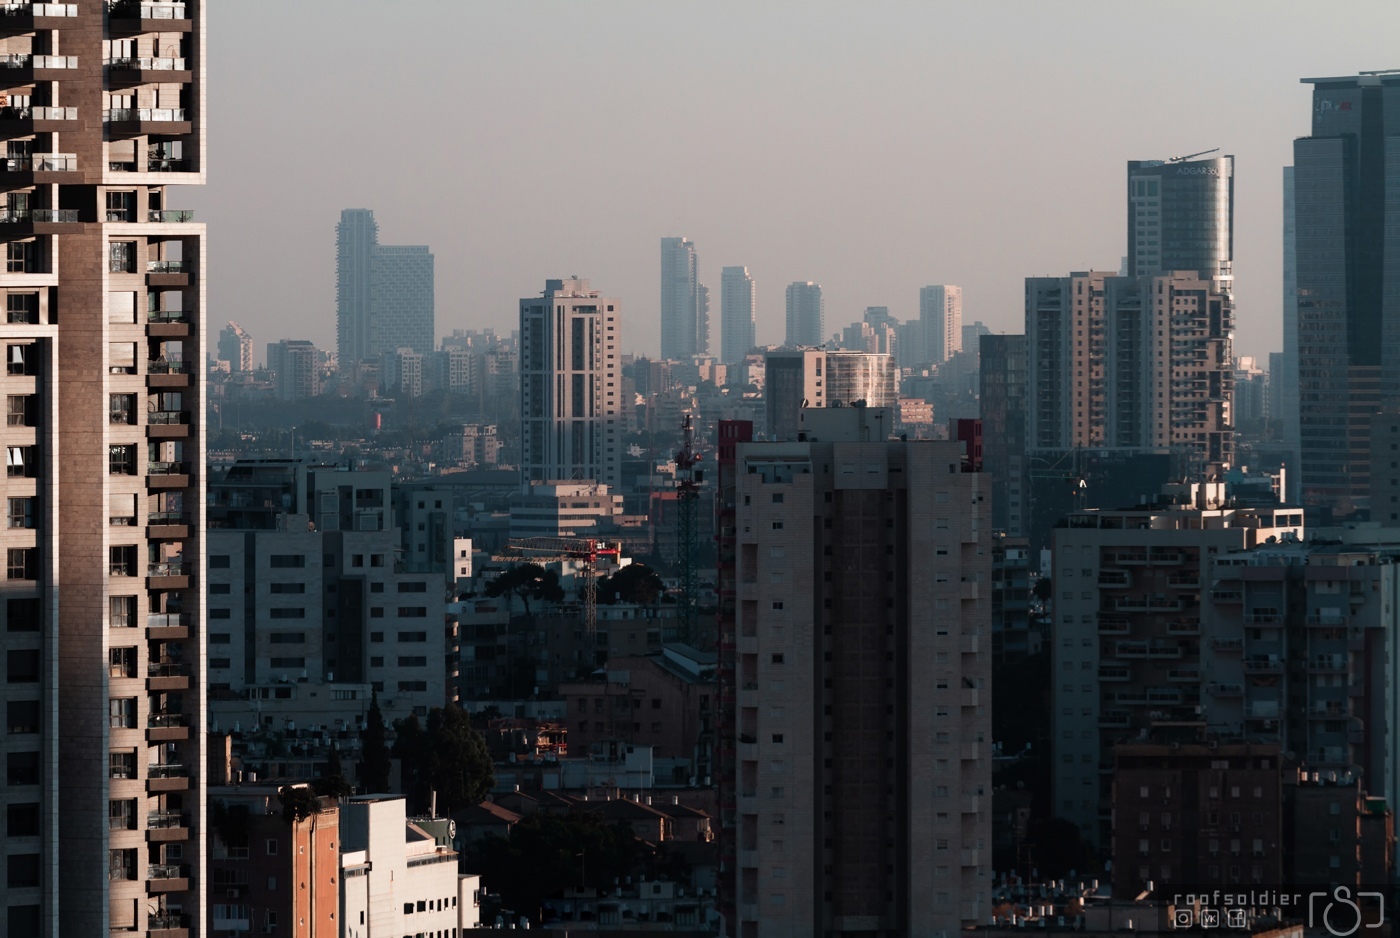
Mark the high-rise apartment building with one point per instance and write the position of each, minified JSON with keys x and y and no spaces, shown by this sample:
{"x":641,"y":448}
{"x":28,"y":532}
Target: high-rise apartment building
{"x":1181,"y":217}
{"x":940,"y":312}
{"x":806,"y":315}
{"x":236,"y":348}
{"x":1131,"y":364}
{"x":569,"y":385}
{"x":736,"y":304}
{"x":1347,"y":281}
{"x":1283,"y":378}
{"x":384,"y":294}
{"x":296,"y":364}
{"x":685,"y":302}
{"x":1003,"y":404}
{"x":861,"y":584}
{"x":103,"y":616}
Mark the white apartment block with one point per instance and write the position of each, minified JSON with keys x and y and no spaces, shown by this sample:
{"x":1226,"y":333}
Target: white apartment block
{"x":570,"y":385}
{"x":862,"y":703}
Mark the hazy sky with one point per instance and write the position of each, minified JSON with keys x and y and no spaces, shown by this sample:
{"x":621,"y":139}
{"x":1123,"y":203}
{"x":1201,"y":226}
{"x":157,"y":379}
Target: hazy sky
{"x":872,"y":147}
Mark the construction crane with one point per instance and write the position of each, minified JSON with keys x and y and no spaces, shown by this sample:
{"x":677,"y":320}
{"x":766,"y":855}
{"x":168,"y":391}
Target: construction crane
{"x":688,"y":479}
{"x":585,"y":550}
{"x":1192,"y":156}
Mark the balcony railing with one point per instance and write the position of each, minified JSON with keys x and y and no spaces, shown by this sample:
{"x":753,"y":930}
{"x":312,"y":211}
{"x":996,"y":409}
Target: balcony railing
{"x":164,"y":820}
{"x":160,"y":165}
{"x":167,"y":770}
{"x":168,"y":315}
{"x":167,"y":517}
{"x":39,"y":9}
{"x":146,"y":63}
{"x":63,"y":216}
{"x":169,"y":215}
{"x":176,"y":367}
{"x":168,"y":568}
{"x":167,"y":417}
{"x":122,"y":114}
{"x":166,"y":267}
{"x":41,"y":163}
{"x":167,"y":469}
{"x":25,"y":60}
{"x":165,"y":871}
{"x":166,"y":620}
{"x":146,"y":10}
{"x":39,"y":113}
{"x":167,"y":669}
{"x":167,"y":921}
{"x":166,"y":720}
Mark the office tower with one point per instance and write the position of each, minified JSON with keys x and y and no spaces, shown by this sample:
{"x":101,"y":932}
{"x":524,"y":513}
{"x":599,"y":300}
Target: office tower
{"x":384,"y":294}
{"x":1181,"y":216}
{"x":806,"y":315}
{"x":1131,"y":364}
{"x":1129,"y":649}
{"x":864,"y":749}
{"x":736,"y":304}
{"x":105,"y":346}
{"x":296,"y":364}
{"x":685,"y":303}
{"x":569,"y":379}
{"x":1283,"y":379}
{"x":940,"y":312}
{"x":1348,"y":282}
{"x":236,"y":348}
{"x":1003,"y":410}
{"x":798,"y":378}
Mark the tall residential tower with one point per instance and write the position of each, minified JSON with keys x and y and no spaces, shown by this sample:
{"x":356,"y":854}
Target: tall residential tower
{"x":384,"y":294}
{"x":569,"y":385}
{"x":685,"y":302}
{"x":806,"y":315}
{"x":940,"y":316}
{"x":736,"y":303}
{"x":103,"y":614}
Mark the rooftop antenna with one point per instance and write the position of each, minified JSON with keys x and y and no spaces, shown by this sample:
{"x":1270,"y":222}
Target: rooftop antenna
{"x":1192,"y":156}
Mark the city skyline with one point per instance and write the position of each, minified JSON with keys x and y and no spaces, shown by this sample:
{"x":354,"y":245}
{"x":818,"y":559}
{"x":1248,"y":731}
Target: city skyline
{"x":782,"y":204}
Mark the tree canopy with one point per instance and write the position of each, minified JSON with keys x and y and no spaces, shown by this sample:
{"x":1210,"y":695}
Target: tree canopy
{"x":449,"y":757}
{"x":527,"y":581}
{"x":374,"y":764}
{"x":634,"y":583}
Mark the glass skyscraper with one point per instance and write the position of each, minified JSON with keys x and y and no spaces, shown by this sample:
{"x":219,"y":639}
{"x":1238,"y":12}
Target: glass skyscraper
{"x":384,"y":293}
{"x":1181,"y":216}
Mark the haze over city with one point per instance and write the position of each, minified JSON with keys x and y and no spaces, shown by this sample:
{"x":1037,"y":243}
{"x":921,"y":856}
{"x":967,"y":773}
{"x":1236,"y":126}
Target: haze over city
{"x":871,"y":149}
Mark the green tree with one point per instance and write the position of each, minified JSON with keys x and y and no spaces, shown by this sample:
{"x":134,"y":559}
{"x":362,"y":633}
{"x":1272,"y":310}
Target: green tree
{"x":634,"y":583}
{"x":298,"y":803}
{"x":411,"y":749}
{"x":527,"y":581}
{"x":458,"y":765}
{"x":332,"y":782}
{"x":374,"y":764}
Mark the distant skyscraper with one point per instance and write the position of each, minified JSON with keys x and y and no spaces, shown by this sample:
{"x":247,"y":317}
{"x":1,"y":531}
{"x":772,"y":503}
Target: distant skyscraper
{"x":1283,"y":377}
{"x":569,"y":403}
{"x":940,"y":312}
{"x":1003,"y":403}
{"x":384,"y":293}
{"x":1348,"y":281}
{"x":798,"y":378}
{"x":685,"y":302}
{"x":736,"y":304}
{"x":806,"y":314}
{"x":297,"y":366}
{"x":862,"y":595}
{"x":236,"y":348}
{"x":1181,"y":217}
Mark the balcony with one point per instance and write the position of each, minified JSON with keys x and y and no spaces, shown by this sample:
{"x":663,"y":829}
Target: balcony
{"x":21,"y":68}
{"x":1328,"y":618}
{"x":167,"y":924}
{"x":167,"y":525}
{"x":1265,"y":617}
{"x":26,"y":16}
{"x":38,"y":168}
{"x":167,"y":727}
{"x":1111,"y":578}
{"x":1225,"y":690}
{"x":1185,"y":626}
{"x":168,"y":626}
{"x":1262,"y":710}
{"x":1114,"y":719}
{"x":1184,"y":675}
{"x":129,"y":71}
{"x":1327,"y":664}
{"x":1112,"y":625}
{"x":168,"y":877}
{"x":971,"y":804}
{"x":1260,"y":665}
{"x":133,"y":17}
{"x":170,"y":575}
{"x":1329,"y":710}
{"x":969,"y":856}
{"x":135,"y":122}
{"x":167,"y":475}
{"x":168,"y":274}
{"x":1227,"y":596}
{"x":174,"y":824}
{"x":1112,"y":672}
{"x":170,"y":216}
{"x":168,"y":374}
{"x":1227,"y":644}
{"x":167,"y":424}
{"x":23,"y":121}
{"x":167,"y":675}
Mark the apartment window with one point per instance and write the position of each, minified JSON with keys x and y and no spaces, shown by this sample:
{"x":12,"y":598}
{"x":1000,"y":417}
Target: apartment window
{"x":413,"y":636}
{"x":121,"y":206}
{"x":19,"y":410}
{"x":413,"y":661}
{"x":220,"y":613}
{"x":121,"y":713}
{"x":121,"y":561}
{"x":22,"y":615}
{"x":21,"y":512}
{"x":413,"y":587}
{"x":22,"y":871}
{"x":288,"y":613}
{"x":224,"y":589}
{"x":122,"y":662}
{"x":220,"y":664}
{"x":21,"y":257}
{"x":121,"y":358}
{"x":22,"y":308}
{"x":288,"y":587}
{"x":121,"y":257}
{"x":121,"y":459}
{"x":22,"y":716}
{"x":284,"y":561}
{"x":121,"y":814}
{"x":121,"y":611}
{"x":287,"y":638}
{"x":413,"y":612}
{"x":376,"y":636}
{"x":121,"y":408}
{"x":21,"y":462}
{"x":288,"y":662}
{"x":22,"y":563}
{"x":413,"y":686}
{"x":22,"y":820}
{"x":121,"y":865}
{"x":22,"y":768}
{"x":121,"y":764}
